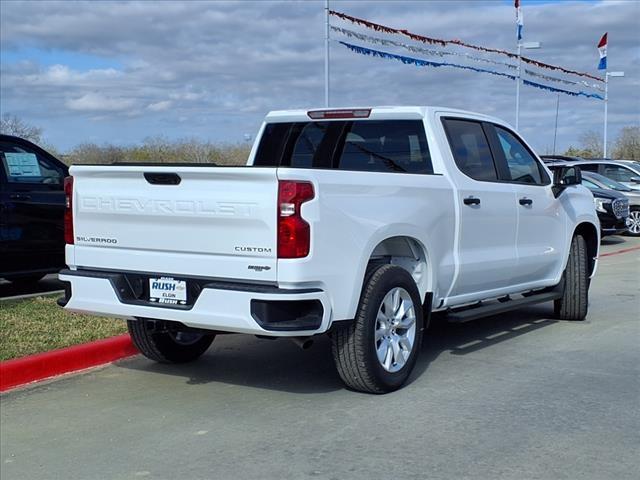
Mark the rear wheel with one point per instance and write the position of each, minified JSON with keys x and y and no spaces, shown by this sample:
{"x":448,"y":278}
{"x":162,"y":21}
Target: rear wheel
{"x":167,"y":345}
{"x":378,"y":350}
{"x":573,"y":304}
{"x":634,"y":222}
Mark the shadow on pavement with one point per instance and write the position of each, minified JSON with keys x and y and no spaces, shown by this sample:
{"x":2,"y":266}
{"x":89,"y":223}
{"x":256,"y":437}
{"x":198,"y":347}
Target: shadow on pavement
{"x":282,"y":366}
{"x":612,"y":240}
{"x":49,"y":283}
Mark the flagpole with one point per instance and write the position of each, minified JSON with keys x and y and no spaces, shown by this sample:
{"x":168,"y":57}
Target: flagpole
{"x":326,"y":54}
{"x":606,"y":105}
{"x":518,"y":85}
{"x":555,"y":131}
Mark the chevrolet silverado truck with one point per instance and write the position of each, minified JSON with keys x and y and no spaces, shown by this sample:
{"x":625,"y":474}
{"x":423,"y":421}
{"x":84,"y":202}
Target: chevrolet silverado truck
{"x":353,"y":222}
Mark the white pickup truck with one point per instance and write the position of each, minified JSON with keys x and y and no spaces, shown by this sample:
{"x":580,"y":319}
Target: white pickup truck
{"x":353,"y":222}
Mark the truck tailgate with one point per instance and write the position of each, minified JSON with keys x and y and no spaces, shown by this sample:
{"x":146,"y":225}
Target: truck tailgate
{"x":184,"y":220}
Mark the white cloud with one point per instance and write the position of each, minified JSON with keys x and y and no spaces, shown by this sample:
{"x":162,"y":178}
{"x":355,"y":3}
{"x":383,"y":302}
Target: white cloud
{"x":160,"y":106}
{"x":96,"y":102}
{"x":223,"y":65}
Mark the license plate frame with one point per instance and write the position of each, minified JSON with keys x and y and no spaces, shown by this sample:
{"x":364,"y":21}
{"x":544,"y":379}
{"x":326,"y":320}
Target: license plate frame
{"x":165,"y":290}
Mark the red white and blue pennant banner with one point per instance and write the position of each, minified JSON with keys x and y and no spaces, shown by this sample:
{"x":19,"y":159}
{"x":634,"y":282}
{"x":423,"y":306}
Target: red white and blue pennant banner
{"x":444,"y":43}
{"x":427,"y":63}
{"x":440,"y":53}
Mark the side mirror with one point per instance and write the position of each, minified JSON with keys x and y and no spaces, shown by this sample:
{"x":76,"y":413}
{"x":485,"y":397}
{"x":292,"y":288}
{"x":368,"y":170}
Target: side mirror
{"x":635,"y":179}
{"x":564,"y":177}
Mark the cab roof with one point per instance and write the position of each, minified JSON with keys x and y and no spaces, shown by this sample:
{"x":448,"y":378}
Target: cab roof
{"x":408,"y":112}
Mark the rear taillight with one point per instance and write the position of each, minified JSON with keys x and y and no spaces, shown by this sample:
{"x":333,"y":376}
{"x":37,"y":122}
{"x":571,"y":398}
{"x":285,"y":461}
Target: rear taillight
{"x":294,"y":234}
{"x":68,"y":210}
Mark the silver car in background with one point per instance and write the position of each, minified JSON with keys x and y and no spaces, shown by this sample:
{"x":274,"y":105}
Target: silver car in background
{"x":622,"y":171}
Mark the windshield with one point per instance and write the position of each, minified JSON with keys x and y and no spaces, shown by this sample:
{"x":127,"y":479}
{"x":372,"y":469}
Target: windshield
{"x":607,"y":182}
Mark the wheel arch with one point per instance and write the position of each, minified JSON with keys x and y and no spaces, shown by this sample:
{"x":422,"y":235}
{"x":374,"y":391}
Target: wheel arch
{"x":590,"y":234}
{"x":405,"y":251}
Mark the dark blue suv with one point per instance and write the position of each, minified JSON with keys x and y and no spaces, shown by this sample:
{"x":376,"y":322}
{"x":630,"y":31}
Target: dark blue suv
{"x":31,"y":211}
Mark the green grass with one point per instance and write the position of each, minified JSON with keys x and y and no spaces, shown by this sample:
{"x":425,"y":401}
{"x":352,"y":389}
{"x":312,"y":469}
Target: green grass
{"x":38,"y":324}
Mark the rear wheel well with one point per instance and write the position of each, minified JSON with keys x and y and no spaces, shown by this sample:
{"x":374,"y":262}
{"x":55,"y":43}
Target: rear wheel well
{"x":406,"y":252}
{"x":590,"y":235}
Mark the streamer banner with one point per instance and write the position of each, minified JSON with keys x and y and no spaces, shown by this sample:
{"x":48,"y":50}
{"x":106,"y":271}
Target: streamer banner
{"x":427,"y":63}
{"x":440,"y":53}
{"x":568,"y":92}
{"x":562,"y":80}
{"x":443,"y":43}
{"x":417,"y":61}
{"x":427,"y":51}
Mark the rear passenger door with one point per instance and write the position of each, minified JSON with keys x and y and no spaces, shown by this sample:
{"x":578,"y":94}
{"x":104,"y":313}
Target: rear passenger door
{"x":541,"y":220}
{"x":488,"y":214}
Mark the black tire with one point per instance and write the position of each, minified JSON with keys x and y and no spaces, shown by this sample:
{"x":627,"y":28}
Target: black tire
{"x":634,"y":217}
{"x":165,"y":346}
{"x":574,"y":303}
{"x":354,"y":344}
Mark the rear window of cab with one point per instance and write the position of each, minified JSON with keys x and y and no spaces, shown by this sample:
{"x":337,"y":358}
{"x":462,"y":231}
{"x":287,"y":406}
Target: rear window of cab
{"x":398,"y":146}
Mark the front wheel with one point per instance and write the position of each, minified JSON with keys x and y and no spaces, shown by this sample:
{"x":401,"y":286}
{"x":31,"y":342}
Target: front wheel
{"x":378,"y":350}
{"x":167,"y":345}
{"x":573,"y":304}
{"x":634,"y":222}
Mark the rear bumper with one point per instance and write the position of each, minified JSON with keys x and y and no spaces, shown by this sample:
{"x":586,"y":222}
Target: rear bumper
{"x":221,"y":306}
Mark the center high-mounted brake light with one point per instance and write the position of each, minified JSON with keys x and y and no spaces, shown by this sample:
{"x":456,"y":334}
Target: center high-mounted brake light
{"x":335,"y":114}
{"x":68,"y":210}
{"x":294,"y":234}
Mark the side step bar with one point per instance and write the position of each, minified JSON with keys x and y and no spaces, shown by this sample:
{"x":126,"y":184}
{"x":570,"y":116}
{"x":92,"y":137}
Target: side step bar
{"x":494,"y":308}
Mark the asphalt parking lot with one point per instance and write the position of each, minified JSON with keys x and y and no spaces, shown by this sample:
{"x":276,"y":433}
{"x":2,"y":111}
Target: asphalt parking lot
{"x":518,"y":396}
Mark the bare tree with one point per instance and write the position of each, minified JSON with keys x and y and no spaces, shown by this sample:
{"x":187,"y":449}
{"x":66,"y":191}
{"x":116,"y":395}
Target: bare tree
{"x":627,"y":144}
{"x":591,"y":144}
{"x":12,"y":125}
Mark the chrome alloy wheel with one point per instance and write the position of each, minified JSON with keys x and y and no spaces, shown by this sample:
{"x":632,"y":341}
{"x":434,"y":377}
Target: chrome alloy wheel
{"x":395,"y":333}
{"x":633,"y":222}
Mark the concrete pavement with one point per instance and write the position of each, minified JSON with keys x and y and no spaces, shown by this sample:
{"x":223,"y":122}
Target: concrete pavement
{"x":519,"y":396}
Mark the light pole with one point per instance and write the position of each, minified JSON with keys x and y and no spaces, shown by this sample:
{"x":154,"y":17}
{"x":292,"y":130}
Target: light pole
{"x":326,"y":54}
{"x":606,"y":104}
{"x":555,"y":130}
{"x":528,"y":46}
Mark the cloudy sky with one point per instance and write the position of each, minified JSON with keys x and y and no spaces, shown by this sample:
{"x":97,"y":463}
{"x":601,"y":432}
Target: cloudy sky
{"x":111,"y":72}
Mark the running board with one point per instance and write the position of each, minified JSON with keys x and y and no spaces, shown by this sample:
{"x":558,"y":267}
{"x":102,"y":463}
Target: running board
{"x":494,"y":308}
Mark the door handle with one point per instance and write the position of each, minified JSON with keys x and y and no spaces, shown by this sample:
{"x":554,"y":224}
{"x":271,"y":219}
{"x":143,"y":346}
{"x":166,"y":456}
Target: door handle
{"x":471,"y":201}
{"x":162,"y":178}
{"x":525,"y":201}
{"x":19,"y":196}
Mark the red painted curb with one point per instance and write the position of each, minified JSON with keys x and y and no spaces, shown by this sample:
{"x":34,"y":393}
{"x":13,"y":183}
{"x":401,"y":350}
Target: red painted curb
{"x":624,"y":250}
{"x":32,"y":368}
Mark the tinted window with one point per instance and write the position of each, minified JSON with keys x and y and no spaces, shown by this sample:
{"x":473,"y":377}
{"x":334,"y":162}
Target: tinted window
{"x":471,"y":149}
{"x":307,"y":143}
{"x":523,"y":167}
{"x":608,"y":182}
{"x":366,"y":145}
{"x":617,"y":173}
{"x":24,"y":166}
{"x":588,"y":184}
{"x":593,"y":167}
